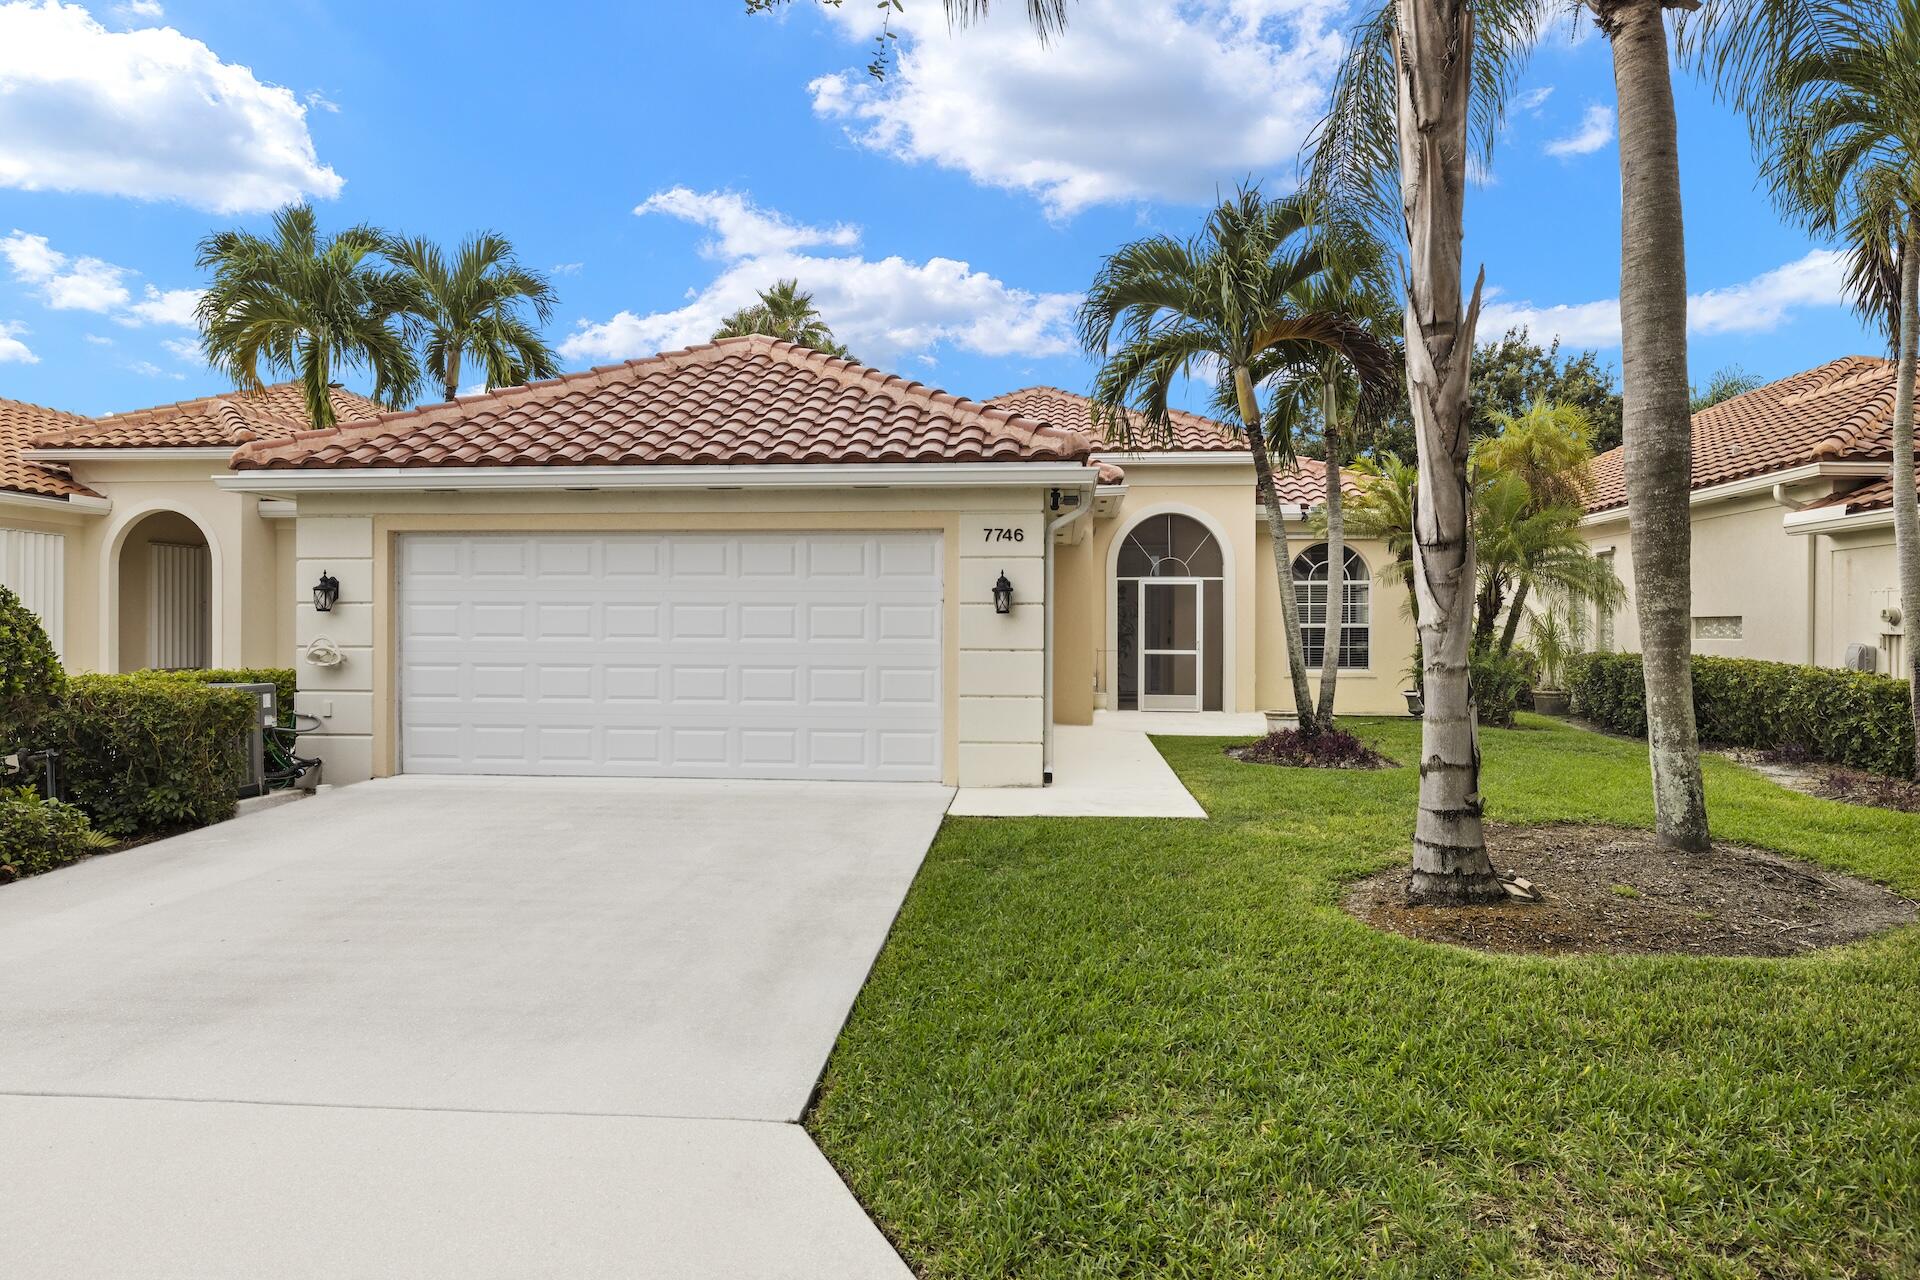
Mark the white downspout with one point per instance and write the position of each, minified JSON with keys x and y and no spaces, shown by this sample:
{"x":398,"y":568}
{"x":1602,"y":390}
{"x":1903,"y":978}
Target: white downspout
{"x":1054,"y":527}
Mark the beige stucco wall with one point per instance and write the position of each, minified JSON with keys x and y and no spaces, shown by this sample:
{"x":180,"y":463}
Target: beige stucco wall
{"x":993,"y":687}
{"x":1801,"y":597}
{"x":249,"y":618}
{"x":1221,"y":496}
{"x":80,"y":637}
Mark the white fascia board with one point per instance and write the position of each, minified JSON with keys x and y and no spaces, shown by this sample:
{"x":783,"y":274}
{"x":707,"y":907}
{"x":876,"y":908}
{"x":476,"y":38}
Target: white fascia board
{"x":875,"y":475}
{"x":1176,"y":458}
{"x":196,"y":453}
{"x":47,"y":502}
{"x":1836,"y":520}
{"x":1763,"y":483}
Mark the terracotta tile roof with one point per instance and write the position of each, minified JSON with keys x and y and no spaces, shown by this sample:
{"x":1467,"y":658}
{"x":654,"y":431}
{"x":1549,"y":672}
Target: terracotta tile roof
{"x":1876,"y":495}
{"x":1303,"y":484}
{"x":19,"y":423}
{"x":276,"y":412}
{"x":1840,"y":411}
{"x":733,"y":402}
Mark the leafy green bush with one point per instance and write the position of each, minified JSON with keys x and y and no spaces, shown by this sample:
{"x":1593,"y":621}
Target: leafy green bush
{"x":38,"y":835}
{"x":282,"y":678}
{"x":150,"y":751}
{"x":1501,"y":683}
{"x":31,"y":681}
{"x":1843,"y":717}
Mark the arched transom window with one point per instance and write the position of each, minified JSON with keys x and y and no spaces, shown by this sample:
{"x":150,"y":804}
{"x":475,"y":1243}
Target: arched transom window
{"x":1310,"y":583}
{"x":1169,"y":546}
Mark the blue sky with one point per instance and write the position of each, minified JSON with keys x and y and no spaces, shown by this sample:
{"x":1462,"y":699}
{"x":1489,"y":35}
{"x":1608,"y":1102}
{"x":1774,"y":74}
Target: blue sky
{"x":664,"y":158}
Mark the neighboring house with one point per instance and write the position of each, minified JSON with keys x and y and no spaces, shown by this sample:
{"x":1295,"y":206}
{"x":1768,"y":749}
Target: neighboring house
{"x":1792,"y":523}
{"x":745,"y":559}
{"x":112,"y":530}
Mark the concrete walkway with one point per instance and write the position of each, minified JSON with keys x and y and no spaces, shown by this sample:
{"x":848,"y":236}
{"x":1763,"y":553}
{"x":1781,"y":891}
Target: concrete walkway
{"x":1110,"y":769}
{"x":450,"y":1027}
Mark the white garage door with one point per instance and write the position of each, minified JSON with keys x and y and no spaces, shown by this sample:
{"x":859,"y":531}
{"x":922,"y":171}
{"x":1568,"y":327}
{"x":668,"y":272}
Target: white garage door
{"x":778,"y":655}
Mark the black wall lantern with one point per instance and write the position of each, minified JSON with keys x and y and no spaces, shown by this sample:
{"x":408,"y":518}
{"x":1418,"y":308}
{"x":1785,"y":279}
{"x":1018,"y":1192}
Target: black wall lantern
{"x":1003,"y":595}
{"x":326,"y":592}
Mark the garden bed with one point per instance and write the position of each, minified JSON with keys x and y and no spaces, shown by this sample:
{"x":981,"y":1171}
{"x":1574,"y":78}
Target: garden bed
{"x":1830,"y":781}
{"x":1610,"y":889}
{"x":1290,"y":748}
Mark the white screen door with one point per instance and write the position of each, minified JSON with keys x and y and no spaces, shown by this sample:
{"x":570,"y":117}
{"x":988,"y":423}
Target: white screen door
{"x":1171,"y":643}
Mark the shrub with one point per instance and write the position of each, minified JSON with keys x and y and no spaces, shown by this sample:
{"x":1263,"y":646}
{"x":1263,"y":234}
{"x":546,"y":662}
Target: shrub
{"x":1501,"y":685}
{"x":1329,"y":749}
{"x":38,"y":835}
{"x":1842,"y":717}
{"x":31,"y":681}
{"x":151,"y":751}
{"x":282,"y":678}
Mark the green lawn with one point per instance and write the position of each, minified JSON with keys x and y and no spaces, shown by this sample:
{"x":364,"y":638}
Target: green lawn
{"x":1107,"y":1047}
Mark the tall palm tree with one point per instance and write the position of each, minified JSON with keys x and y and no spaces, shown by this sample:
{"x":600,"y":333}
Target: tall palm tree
{"x":308,"y":306}
{"x":475,"y":307}
{"x":1161,"y":308}
{"x":786,"y":313}
{"x":1837,"y":121}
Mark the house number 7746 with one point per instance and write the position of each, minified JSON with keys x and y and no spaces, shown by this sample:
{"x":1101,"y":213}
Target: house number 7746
{"x":1005,"y":535}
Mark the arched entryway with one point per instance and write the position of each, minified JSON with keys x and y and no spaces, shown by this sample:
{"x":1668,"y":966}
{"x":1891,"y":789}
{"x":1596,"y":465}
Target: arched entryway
{"x":164,"y":576}
{"x":1170,"y":616}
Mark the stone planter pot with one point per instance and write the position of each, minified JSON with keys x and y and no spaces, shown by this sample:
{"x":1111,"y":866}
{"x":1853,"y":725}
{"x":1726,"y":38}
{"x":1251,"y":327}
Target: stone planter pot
{"x":1416,"y":705}
{"x":1282,"y":721}
{"x":1551,"y":702}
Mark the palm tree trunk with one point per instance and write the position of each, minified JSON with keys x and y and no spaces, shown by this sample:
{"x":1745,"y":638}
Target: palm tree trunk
{"x":1906,"y":505}
{"x":1282,"y":552}
{"x":1336,"y":554}
{"x":1512,"y":630}
{"x":452,"y":383}
{"x":1653,"y":334}
{"x":1433,"y":68}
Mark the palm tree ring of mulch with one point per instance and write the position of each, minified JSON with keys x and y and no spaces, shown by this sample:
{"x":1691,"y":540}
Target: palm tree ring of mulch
{"x":1616,"y":891}
{"x":1331,"y":749}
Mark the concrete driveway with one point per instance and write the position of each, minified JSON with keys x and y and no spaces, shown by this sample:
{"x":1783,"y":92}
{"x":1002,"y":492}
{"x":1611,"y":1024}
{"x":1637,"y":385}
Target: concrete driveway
{"x":459,"y":1027}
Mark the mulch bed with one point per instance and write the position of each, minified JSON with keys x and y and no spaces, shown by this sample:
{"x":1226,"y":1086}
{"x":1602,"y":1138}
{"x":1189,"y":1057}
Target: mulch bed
{"x":1334,"y":749}
{"x":1799,"y":772}
{"x":1614,"y":890}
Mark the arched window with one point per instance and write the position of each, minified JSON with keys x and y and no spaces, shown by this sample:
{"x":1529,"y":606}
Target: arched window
{"x":1169,"y":546}
{"x":1356,"y":617}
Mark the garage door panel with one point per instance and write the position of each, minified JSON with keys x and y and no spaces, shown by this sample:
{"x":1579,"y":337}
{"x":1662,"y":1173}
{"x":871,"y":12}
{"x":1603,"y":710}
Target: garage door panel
{"x":699,"y":655}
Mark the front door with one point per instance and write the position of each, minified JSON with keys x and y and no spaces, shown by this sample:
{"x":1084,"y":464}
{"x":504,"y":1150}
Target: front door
{"x":1170,"y":644}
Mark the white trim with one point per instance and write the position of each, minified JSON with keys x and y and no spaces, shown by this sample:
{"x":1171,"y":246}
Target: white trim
{"x":1764,"y":483}
{"x":829,"y":475}
{"x":278,"y":509}
{"x":72,"y":502}
{"x":1177,"y":458}
{"x":1229,"y":582}
{"x":1836,"y":519}
{"x":144,"y":453}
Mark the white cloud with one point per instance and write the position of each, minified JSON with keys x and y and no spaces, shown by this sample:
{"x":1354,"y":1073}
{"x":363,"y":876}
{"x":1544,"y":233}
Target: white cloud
{"x":743,"y":229}
{"x":165,"y":306}
{"x":65,"y":284}
{"x":148,"y":369}
{"x":141,"y":9}
{"x":1534,"y":99}
{"x":884,"y":309}
{"x":12,"y":350}
{"x":319,"y":101}
{"x":98,"y":340}
{"x":182,"y":348}
{"x":148,"y":113}
{"x":567,"y":268}
{"x":1595,"y":132}
{"x":1138,"y":99}
{"x":1760,"y":305}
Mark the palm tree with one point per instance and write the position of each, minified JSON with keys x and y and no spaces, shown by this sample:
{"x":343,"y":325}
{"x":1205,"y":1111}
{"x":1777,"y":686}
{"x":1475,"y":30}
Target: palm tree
{"x":1836,"y":117}
{"x":1547,"y":450}
{"x":786,"y":313}
{"x":1524,"y":548}
{"x":1383,"y":511}
{"x":308,"y":306}
{"x":475,"y":307}
{"x":1225,"y":299}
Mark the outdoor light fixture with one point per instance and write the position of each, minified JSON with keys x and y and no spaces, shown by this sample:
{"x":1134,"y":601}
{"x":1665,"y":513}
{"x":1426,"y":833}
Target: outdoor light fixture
{"x":1003,"y":595}
{"x":326,"y":592}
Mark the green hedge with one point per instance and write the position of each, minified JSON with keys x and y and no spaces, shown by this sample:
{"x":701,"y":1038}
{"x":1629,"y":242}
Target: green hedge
{"x":31,"y":681}
{"x":38,"y":835}
{"x":282,"y":678}
{"x":1844,"y":717}
{"x":1501,"y":683}
{"x":150,"y":751}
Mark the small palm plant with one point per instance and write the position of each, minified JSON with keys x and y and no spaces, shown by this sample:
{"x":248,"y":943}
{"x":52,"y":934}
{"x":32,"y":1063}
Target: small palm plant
{"x":474,"y":307}
{"x":786,"y":313}
{"x":309,"y":306}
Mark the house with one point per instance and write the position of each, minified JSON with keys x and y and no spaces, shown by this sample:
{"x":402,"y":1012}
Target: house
{"x":745,"y":559}
{"x":1792,"y":504}
{"x":112,"y":530}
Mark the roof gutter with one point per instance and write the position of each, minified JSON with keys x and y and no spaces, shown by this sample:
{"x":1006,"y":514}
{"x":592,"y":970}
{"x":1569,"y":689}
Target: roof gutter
{"x":1767,"y":482}
{"x":822,"y":475}
{"x":48,"y":502}
{"x":1836,"y":520}
{"x":143,"y":453}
